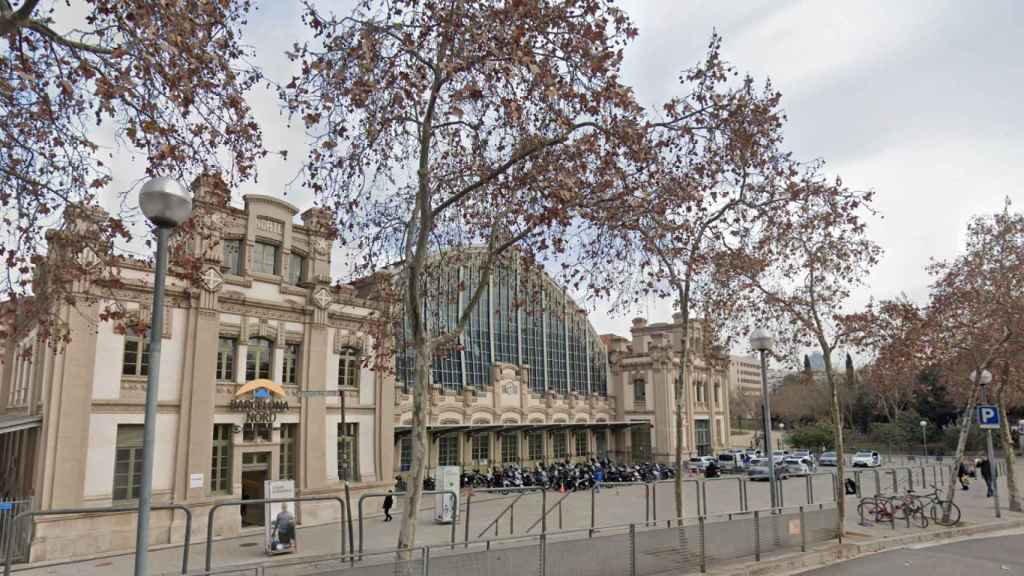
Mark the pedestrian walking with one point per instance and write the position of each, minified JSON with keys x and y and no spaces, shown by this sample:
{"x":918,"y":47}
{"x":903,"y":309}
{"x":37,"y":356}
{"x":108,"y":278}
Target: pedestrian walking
{"x":389,"y":501}
{"x":961,"y":474}
{"x":598,"y":478}
{"x":986,"y":473}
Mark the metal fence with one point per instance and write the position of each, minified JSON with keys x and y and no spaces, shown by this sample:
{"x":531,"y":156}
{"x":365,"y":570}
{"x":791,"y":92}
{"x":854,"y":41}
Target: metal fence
{"x":15,"y":539}
{"x":639,"y":549}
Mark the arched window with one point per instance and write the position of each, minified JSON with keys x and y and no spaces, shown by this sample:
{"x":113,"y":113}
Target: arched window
{"x":348,"y":367}
{"x":258,"y":359}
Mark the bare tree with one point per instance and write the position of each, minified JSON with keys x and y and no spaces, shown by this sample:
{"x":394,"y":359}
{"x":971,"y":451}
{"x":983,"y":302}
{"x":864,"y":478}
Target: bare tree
{"x":802,"y":277}
{"x":167,"y":79}
{"x":437,"y":127}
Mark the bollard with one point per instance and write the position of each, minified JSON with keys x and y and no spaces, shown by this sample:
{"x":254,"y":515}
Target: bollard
{"x":559,"y":515}
{"x":543,"y":553}
{"x":809,"y":488}
{"x":739,"y":486}
{"x":757,"y":536}
{"x":803,"y":531}
{"x":782,"y":499}
{"x":543,"y":513}
{"x":910,"y":478}
{"x":469,"y":500}
{"x":704,"y":495}
{"x":654,"y":501}
{"x":512,"y":519}
{"x":895,"y":484}
{"x":857,"y":479}
{"x":426,"y":561}
{"x":632,"y":549}
{"x":647,"y":504}
{"x":703,"y":555}
{"x":593,"y":512}
{"x":745,"y":500}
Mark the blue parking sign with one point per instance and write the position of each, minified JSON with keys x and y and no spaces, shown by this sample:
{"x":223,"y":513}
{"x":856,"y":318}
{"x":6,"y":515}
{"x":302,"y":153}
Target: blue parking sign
{"x":988,"y":417}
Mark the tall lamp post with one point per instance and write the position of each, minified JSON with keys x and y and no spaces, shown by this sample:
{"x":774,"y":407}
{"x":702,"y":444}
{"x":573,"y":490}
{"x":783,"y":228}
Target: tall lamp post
{"x":762,"y":341}
{"x":984,"y":379}
{"x":924,"y":437}
{"x":166,"y":203}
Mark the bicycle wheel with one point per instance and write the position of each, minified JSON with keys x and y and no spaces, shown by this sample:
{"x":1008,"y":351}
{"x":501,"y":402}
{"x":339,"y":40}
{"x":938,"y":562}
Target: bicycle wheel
{"x":918,"y":514}
{"x":937,"y":513}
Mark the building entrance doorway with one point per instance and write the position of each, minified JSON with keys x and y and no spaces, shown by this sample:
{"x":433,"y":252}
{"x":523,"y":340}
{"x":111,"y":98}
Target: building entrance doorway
{"x":255,"y":471}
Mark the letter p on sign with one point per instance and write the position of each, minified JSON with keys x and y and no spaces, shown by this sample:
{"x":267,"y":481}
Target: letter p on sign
{"x":988,"y":417}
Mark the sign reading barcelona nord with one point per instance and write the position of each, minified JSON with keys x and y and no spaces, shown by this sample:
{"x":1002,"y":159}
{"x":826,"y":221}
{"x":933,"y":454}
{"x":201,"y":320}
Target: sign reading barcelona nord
{"x":261,"y":400}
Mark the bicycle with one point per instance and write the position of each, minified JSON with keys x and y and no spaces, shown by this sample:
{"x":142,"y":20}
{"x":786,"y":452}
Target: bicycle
{"x":876,"y":507}
{"x":938,"y":507}
{"x":909,"y":506}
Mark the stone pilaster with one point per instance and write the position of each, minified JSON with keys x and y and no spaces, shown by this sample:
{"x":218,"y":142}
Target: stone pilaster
{"x":69,"y":404}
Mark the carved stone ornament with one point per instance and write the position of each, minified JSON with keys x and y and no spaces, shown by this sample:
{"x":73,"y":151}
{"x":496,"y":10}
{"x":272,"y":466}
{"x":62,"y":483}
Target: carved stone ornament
{"x":322,"y":298}
{"x":320,"y":246}
{"x":212,"y":279}
{"x":510,"y":388}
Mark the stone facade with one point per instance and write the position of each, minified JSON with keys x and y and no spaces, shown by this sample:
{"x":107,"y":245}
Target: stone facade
{"x":270,"y":292}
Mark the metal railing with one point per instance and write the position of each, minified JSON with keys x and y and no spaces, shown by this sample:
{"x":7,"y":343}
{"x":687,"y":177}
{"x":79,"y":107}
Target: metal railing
{"x":113,"y":509}
{"x":636,"y":549}
{"x":213,"y":509}
{"x":359,"y":507}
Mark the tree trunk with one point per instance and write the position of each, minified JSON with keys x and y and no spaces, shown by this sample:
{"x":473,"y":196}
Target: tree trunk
{"x":966,"y":420}
{"x":681,"y":390}
{"x":837,"y":433}
{"x":1011,"y":458}
{"x":420,"y":439}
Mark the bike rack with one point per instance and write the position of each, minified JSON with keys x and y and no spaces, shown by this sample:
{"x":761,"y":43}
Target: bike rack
{"x":216,"y":506}
{"x":112,"y":509}
{"x":359,"y":507}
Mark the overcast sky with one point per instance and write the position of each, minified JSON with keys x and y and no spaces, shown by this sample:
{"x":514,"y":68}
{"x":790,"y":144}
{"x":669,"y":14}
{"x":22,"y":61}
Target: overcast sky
{"x":918,"y":101}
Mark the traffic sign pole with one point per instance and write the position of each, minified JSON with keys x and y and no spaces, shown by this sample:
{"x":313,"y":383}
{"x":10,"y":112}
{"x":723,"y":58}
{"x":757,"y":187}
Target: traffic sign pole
{"x":989,"y":419}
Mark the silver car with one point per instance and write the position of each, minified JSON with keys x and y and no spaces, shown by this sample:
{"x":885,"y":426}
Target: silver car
{"x":828,"y":459}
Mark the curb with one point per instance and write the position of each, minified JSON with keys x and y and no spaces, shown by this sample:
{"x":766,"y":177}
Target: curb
{"x":833,"y":553}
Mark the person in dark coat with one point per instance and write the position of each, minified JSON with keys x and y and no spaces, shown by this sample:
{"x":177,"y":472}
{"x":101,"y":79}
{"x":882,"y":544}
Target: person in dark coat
{"x":962,"y":475}
{"x":389,"y":501}
{"x":986,"y":472}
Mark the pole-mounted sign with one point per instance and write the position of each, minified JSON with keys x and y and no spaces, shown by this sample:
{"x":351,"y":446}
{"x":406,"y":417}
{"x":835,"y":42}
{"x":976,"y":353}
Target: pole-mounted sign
{"x":988,"y":417}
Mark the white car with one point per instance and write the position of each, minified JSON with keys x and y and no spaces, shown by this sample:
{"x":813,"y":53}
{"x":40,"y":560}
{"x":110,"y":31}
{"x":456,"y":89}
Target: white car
{"x":867,"y":459}
{"x":699,"y":462}
{"x":798,"y":466}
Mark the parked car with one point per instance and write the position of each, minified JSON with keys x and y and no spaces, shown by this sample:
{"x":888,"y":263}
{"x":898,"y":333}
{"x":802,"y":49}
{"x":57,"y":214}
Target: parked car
{"x":798,"y":466}
{"x":802,"y":454}
{"x":866,"y":459}
{"x":730,"y":462}
{"x":827,"y":459}
{"x":699,"y":463}
{"x":759,"y":472}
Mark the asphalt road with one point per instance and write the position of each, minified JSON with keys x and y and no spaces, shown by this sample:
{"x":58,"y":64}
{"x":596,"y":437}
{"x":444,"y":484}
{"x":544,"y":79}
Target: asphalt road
{"x":983,"y":556}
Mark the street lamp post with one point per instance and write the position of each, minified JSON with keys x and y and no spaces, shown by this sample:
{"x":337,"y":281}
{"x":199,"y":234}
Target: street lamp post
{"x":762,"y":341}
{"x":166,"y":203}
{"x":924,"y":438}
{"x":984,"y":380}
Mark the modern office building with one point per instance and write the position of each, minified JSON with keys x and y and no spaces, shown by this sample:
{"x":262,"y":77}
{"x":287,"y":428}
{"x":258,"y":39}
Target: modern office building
{"x":745,"y":375}
{"x":255,"y":360}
